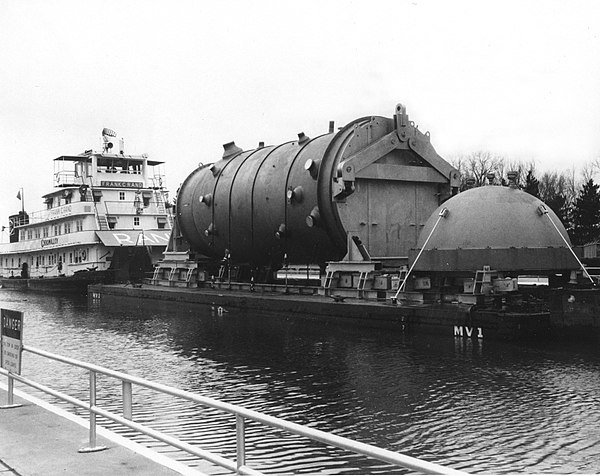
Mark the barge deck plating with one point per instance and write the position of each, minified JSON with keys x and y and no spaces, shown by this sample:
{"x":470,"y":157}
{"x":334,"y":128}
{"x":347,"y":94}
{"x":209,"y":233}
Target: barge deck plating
{"x":453,"y":320}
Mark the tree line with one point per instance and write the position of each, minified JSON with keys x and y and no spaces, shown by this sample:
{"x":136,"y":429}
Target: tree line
{"x":574,"y":197}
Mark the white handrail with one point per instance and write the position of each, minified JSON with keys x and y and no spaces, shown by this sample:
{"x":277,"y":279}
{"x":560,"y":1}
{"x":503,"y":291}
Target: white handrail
{"x":239,"y":412}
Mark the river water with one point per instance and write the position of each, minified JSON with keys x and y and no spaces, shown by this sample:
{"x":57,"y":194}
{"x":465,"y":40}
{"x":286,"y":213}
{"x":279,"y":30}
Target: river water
{"x":477,"y":406}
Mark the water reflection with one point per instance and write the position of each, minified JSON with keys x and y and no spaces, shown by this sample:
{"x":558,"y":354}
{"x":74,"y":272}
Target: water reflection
{"x":476,"y":406}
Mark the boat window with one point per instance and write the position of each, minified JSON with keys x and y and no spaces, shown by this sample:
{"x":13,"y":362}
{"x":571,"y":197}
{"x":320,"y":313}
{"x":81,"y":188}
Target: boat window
{"x":121,"y":195}
{"x":136,"y":221}
{"x":161,"y":222}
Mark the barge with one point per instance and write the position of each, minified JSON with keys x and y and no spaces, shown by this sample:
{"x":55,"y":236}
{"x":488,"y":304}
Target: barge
{"x":367,"y":225}
{"x":562,"y":318}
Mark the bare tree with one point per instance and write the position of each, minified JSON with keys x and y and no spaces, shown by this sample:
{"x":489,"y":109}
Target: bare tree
{"x":588,"y":170}
{"x":478,"y":165}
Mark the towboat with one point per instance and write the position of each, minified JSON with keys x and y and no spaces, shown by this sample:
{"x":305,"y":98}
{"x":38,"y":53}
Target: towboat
{"x":107,"y":219}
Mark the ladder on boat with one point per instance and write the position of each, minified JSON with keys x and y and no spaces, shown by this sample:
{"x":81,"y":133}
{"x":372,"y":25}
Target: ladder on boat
{"x":160,"y":204}
{"x":482,"y":277}
{"x":157,"y":272}
{"x":172,"y":275}
{"x":328,"y":281}
{"x":162,"y":208}
{"x":362,"y":281}
{"x":188,"y":276}
{"x":103,"y":222}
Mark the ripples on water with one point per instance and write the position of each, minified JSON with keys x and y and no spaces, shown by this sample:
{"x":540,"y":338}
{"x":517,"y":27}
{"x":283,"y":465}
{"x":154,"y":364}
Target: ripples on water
{"x":479,"y":407}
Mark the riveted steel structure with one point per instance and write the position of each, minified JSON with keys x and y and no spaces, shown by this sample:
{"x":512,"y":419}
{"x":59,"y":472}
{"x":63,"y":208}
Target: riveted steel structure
{"x":376,"y":178}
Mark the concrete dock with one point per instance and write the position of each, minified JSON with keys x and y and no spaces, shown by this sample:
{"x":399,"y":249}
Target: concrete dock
{"x":41,"y":439}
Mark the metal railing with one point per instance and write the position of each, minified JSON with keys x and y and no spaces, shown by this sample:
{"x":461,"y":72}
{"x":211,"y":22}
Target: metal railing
{"x":131,"y":207}
{"x":241,"y":416}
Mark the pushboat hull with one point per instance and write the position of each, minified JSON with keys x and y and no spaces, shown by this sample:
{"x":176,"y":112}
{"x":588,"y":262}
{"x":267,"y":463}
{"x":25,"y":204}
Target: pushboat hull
{"x":77,"y":283}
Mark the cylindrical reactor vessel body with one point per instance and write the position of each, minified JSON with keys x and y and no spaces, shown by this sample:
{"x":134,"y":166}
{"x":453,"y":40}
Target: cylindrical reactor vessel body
{"x":276,"y":202}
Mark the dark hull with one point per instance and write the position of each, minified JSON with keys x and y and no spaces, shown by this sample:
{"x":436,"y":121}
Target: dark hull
{"x":453,"y":320}
{"x":77,"y":283}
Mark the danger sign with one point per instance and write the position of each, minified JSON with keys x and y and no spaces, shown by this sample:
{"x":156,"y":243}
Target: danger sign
{"x":11,"y":340}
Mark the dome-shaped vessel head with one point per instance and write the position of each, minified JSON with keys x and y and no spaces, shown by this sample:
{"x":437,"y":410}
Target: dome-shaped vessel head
{"x":501,"y":227}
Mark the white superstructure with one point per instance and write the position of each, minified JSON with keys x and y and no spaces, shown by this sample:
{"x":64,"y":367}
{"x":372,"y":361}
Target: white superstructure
{"x":107,"y":211}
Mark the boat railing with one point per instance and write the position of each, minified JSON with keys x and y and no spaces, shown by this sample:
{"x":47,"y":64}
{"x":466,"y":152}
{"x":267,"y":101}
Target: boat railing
{"x":62,"y":211}
{"x":67,"y":177}
{"x":64,"y":178}
{"x":121,"y":207}
{"x":242,"y":416}
{"x":158,"y":181}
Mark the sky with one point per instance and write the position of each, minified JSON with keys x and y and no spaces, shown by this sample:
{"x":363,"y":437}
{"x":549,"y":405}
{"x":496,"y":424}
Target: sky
{"x":179,"y":79}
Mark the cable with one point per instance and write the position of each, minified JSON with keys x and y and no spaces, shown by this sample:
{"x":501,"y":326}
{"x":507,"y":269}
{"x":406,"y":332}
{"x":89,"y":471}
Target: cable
{"x":443,"y":214}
